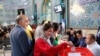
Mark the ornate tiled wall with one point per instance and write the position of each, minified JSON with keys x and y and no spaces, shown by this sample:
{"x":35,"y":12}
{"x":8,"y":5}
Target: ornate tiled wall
{"x":47,"y":16}
{"x":89,"y":19}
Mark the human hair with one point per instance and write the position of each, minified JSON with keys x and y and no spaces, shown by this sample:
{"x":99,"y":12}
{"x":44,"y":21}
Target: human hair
{"x":55,"y":26}
{"x":60,"y":23}
{"x":47,"y":26}
{"x":43,"y":22}
{"x":49,"y":22}
{"x":74,"y":34}
{"x":92,"y":36}
{"x":70,"y":28}
{"x":79,"y":32}
{"x":98,"y":28}
{"x":67,"y":33}
{"x":19,"y":18}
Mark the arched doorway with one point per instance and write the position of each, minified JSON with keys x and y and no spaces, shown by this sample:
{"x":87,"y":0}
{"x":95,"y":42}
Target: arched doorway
{"x":46,"y":10}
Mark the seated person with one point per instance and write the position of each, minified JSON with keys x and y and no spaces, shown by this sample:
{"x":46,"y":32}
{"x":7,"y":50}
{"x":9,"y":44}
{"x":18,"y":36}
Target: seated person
{"x":72,"y":36}
{"x":81,"y":39}
{"x":43,"y":46}
{"x":98,"y":36}
{"x":92,"y":44}
{"x":55,"y":37}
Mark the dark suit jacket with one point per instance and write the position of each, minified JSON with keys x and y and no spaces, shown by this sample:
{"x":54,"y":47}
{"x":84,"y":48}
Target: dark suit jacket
{"x":81,"y":42}
{"x":19,"y":42}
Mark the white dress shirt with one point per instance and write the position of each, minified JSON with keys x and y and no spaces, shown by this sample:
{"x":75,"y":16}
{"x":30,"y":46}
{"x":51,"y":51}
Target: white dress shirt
{"x":94,"y":48}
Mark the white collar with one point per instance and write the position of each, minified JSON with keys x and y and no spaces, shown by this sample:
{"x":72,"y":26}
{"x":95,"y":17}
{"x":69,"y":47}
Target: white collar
{"x":93,"y":44}
{"x":46,"y":39}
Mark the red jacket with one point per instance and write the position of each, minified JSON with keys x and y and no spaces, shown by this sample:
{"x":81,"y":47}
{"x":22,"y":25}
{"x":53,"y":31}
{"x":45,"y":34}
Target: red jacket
{"x":42,"y":48}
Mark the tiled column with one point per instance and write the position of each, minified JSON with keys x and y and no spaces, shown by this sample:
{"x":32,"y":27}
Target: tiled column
{"x":55,"y":17}
{"x":67,"y":15}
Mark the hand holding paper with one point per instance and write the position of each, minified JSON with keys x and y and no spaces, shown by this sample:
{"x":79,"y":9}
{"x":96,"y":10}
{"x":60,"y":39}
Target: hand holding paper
{"x":68,"y":42}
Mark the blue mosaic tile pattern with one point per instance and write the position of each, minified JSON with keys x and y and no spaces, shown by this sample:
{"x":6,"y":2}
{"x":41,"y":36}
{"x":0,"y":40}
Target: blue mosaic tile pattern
{"x":89,"y":19}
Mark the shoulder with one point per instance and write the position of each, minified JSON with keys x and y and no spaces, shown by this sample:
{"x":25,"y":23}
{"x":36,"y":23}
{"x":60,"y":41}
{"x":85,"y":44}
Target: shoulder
{"x":40,"y":40}
{"x":17,"y":30}
{"x":96,"y":50}
{"x":97,"y":47}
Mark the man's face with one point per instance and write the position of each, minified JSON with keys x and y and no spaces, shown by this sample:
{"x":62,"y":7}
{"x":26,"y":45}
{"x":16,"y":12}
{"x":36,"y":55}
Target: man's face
{"x":25,"y":22}
{"x":69,"y":30}
{"x":78,"y":35}
{"x":72,"y":32}
{"x":88,"y":40}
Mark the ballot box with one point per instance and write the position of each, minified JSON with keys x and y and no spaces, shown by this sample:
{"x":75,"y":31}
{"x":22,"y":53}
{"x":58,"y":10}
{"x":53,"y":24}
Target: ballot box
{"x":78,"y":52}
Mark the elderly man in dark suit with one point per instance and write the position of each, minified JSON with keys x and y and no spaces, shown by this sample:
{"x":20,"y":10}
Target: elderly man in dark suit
{"x":19,"y":39}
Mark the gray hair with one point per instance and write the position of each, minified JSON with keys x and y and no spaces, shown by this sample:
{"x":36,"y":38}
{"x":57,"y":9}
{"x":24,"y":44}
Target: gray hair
{"x":19,"y":18}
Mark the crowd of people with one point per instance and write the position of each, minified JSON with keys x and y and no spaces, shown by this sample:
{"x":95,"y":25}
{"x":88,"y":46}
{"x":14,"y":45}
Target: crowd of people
{"x":46,"y":39}
{"x":4,"y":35}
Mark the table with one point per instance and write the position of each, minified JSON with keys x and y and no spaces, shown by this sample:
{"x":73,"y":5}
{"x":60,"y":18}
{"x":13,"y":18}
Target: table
{"x":82,"y":51}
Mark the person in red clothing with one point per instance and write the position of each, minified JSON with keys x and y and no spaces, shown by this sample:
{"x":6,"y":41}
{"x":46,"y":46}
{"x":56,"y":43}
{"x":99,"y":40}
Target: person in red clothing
{"x":43,"y":46}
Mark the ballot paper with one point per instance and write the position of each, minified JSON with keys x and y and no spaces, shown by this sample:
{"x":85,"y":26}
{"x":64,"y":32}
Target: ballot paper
{"x":74,"y":54}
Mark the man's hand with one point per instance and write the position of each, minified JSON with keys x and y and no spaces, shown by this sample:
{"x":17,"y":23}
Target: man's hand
{"x":62,"y":41}
{"x":70,"y":43}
